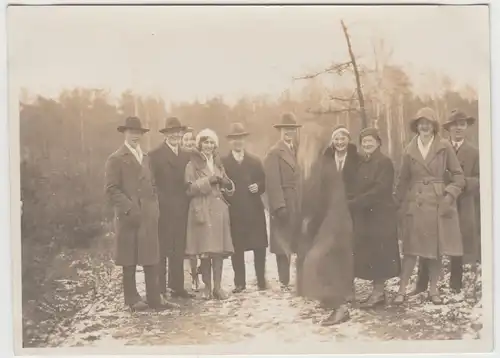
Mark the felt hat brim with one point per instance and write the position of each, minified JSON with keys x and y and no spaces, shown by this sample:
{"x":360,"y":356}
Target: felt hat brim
{"x":470,"y":121}
{"x":173,"y":129}
{"x":236,"y":135}
{"x":122,"y":129}
{"x":287,"y":126}
{"x":414,"y":122}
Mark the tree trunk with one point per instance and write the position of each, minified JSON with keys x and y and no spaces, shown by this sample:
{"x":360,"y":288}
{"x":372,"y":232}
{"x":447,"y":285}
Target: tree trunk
{"x":388,"y":119}
{"x":402,"y":128}
{"x":377,"y":114}
{"x":361,"y":99}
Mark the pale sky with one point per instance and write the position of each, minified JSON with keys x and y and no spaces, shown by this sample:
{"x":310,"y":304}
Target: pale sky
{"x":183,"y":53}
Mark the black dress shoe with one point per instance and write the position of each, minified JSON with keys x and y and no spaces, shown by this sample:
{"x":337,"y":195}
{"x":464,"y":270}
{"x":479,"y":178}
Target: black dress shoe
{"x":139,"y":306}
{"x":262,"y":286}
{"x":182,"y":294}
{"x":417,"y":291}
{"x":373,"y":301}
{"x":163,"y":306}
{"x":219,"y":295}
{"x":169,"y":304}
{"x":239,"y":289}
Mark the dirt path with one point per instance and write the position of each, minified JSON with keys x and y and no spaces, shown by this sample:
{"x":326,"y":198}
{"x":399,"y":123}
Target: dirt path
{"x":259,"y":317}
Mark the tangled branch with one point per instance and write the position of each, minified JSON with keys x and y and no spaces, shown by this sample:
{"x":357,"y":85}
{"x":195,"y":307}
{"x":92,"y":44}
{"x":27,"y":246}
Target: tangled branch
{"x":338,"y":68}
{"x":320,"y":112}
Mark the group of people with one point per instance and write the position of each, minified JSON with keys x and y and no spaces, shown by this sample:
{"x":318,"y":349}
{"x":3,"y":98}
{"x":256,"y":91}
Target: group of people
{"x":342,"y":219}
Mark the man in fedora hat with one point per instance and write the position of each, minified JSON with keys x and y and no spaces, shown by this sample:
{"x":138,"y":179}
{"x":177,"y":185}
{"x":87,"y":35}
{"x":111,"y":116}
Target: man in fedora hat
{"x":457,"y":126}
{"x":130,"y":189}
{"x":282,"y":185}
{"x":246,"y":210}
{"x":168,"y":163}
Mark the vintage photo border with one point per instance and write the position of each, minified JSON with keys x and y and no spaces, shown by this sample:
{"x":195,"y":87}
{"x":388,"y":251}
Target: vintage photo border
{"x":485,"y":146}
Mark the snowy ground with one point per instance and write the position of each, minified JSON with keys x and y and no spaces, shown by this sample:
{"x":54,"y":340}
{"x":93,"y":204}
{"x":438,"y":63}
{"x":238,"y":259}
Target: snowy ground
{"x":255,"y":317}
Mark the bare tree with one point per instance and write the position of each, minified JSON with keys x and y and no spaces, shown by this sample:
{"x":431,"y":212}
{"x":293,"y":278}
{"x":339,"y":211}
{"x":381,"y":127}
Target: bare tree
{"x":361,"y":99}
{"x":340,"y":69}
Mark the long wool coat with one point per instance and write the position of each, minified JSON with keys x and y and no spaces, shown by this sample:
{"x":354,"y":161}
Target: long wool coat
{"x":326,"y":269}
{"x":467,"y":203}
{"x":208,"y":230}
{"x":169,"y":171}
{"x":349,"y":173}
{"x":429,"y":229}
{"x":376,"y":249}
{"x":282,"y":189}
{"x":130,"y":189}
{"x":246,"y":210}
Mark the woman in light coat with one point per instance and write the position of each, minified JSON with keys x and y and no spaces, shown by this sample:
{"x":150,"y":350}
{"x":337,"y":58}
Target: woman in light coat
{"x":208,"y":230}
{"x":430,"y":180}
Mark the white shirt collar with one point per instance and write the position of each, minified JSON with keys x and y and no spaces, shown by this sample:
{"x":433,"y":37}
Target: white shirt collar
{"x":137,"y":151}
{"x":340,"y":160}
{"x":458,"y":144}
{"x":174,"y":149}
{"x":424,"y":149}
{"x":210,"y":163}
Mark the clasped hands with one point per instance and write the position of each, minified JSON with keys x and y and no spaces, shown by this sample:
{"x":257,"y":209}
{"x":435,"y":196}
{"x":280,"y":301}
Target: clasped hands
{"x":217,"y":179}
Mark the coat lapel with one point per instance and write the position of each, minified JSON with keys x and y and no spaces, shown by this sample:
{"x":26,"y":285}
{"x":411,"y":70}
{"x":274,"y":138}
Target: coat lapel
{"x":415,"y":154}
{"x":170,"y":155}
{"x":436,"y":147}
{"x":128,"y":157}
{"x":287,"y":155}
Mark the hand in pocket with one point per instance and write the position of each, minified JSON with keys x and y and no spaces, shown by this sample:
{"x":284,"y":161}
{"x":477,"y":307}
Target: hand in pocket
{"x":445,"y":207}
{"x":133,"y":215}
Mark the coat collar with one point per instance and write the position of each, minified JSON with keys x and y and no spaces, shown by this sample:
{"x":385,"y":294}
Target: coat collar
{"x":436,"y":147}
{"x":463,"y":147}
{"x":373,"y":157}
{"x":128,"y":157}
{"x":286,"y":154}
{"x":200,"y":162}
{"x":170,"y":155}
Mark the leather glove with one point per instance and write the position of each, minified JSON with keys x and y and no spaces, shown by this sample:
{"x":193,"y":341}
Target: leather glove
{"x":225,"y":182}
{"x":214,"y":180}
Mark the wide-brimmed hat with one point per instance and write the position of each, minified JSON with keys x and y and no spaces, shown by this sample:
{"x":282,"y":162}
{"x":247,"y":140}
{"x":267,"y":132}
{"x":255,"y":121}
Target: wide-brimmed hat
{"x":288,"y":120}
{"x":237,"y":129}
{"x":133,"y":123}
{"x":370,"y":131}
{"x":172,"y":124}
{"x":457,"y":115}
{"x":427,"y":113}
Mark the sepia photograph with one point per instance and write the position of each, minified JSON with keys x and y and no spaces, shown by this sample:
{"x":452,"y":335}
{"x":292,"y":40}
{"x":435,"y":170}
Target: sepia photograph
{"x":250,"y":179}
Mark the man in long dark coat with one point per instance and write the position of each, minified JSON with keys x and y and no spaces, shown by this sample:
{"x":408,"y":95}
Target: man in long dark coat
{"x":130,"y":189}
{"x":467,"y":203}
{"x":169,"y":165}
{"x":246,"y":210}
{"x":282,"y":188}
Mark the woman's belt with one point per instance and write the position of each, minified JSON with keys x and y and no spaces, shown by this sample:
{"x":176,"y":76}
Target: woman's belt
{"x":427,"y":181}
